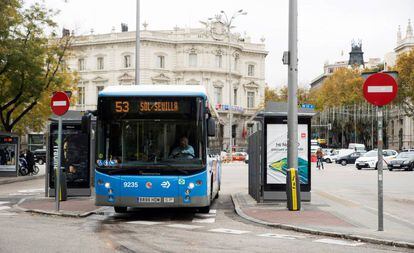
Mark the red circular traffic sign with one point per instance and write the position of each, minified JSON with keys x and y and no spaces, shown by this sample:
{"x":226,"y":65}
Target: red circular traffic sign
{"x":380,"y":89}
{"x":59,"y":103}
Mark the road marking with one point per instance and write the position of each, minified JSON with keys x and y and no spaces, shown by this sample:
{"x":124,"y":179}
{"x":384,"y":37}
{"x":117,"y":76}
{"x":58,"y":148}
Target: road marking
{"x":281,"y":236}
{"x":212,"y":211}
{"x":7,"y":214}
{"x":184,"y":226}
{"x":339,"y":242}
{"x":229,"y":231}
{"x":4,"y":202}
{"x":4,"y":207}
{"x":205,"y":220}
{"x":32,"y":190}
{"x":144,"y":222}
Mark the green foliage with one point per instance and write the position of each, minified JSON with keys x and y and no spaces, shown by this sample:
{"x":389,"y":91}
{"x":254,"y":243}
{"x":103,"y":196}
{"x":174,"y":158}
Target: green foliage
{"x":281,"y":95}
{"x":343,"y":87}
{"x":31,"y":65}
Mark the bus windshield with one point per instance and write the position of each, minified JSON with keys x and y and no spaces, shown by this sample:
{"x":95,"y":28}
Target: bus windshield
{"x":155,"y":140}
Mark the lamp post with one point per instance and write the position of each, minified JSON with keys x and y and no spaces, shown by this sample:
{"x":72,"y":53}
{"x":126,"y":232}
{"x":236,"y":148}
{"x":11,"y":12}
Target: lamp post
{"x":137,"y":44}
{"x":227,"y":23}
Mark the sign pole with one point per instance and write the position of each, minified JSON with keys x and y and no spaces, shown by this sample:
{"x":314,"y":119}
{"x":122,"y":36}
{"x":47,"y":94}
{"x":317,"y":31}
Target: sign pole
{"x":57,"y":178}
{"x":380,"y":173}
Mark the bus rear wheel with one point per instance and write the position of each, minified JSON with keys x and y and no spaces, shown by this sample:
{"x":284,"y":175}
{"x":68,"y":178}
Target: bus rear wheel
{"x":120,"y":209}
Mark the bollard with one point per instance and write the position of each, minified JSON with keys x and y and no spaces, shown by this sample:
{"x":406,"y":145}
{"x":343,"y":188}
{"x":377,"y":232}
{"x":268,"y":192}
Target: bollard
{"x":293,"y":190}
{"x":63,"y":193}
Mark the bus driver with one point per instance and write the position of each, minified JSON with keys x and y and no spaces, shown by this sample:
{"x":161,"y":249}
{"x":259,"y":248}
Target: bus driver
{"x":184,"y":150}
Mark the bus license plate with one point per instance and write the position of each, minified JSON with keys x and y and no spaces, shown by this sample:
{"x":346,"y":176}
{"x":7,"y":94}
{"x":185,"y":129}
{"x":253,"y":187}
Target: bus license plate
{"x":149,"y":200}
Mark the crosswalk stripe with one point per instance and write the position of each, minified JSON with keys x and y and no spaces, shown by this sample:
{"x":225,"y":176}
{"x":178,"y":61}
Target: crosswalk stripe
{"x":185,"y":226}
{"x":205,"y":220}
{"x":229,"y":231}
{"x":4,"y":202}
{"x":213,"y":211}
{"x":4,"y":207}
{"x":144,"y":222}
{"x":339,"y":242}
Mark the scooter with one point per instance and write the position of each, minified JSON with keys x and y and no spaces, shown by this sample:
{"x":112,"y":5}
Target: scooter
{"x":24,"y":169}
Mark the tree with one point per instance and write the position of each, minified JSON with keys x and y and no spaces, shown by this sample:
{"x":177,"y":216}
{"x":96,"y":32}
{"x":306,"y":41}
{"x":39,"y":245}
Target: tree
{"x":405,"y":69}
{"x":32,"y":65}
{"x":281,"y":95}
{"x":343,"y":87}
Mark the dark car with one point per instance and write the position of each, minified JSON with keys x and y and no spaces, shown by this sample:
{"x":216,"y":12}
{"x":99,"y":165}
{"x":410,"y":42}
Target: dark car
{"x":403,"y":161}
{"x":39,"y":156}
{"x":344,"y":160}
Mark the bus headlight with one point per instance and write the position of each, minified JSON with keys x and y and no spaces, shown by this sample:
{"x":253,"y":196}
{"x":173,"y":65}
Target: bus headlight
{"x":107,"y":185}
{"x":191,"y":186}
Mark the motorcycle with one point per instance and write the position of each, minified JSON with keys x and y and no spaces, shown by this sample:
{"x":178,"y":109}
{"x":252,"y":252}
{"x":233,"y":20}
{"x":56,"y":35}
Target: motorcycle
{"x":24,"y":168}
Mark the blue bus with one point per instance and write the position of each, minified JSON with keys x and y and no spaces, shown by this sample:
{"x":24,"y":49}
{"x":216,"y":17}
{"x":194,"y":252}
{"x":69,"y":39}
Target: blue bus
{"x":152,"y":148}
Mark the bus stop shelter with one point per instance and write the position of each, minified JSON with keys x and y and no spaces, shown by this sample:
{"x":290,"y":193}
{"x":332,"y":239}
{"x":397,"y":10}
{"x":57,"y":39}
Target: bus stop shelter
{"x":268,"y":153}
{"x":9,"y":154}
{"x":77,"y":155}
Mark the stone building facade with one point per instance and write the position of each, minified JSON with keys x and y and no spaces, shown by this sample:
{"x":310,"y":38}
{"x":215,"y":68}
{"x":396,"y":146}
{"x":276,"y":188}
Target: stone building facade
{"x":401,"y":127}
{"x":178,"y":56}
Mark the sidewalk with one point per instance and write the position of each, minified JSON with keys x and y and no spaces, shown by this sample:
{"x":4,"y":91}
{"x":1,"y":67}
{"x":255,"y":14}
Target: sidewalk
{"x":321,"y":218}
{"x":72,"y":207}
{"x":10,"y":180}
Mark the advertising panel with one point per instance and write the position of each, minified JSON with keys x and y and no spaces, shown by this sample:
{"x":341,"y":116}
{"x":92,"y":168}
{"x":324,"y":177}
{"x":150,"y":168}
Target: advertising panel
{"x":8,"y":153}
{"x":75,"y":155}
{"x":276,"y":162}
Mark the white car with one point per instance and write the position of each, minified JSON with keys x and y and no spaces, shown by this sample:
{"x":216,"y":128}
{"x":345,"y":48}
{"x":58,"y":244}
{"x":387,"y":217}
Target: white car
{"x":337,"y":154}
{"x":370,"y":159}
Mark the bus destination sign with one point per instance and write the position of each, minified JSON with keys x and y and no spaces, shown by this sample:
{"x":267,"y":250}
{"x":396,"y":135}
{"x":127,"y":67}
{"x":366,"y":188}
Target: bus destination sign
{"x":145,"y":106}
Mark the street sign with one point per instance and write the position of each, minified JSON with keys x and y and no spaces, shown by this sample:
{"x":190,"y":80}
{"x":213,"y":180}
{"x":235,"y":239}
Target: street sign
{"x":59,"y":103}
{"x":380,"y":89}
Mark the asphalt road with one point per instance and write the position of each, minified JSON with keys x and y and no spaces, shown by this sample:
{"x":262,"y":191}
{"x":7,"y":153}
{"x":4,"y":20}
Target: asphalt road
{"x":161,"y":230}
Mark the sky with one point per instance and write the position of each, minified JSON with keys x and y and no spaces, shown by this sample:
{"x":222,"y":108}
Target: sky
{"x":326,"y":28}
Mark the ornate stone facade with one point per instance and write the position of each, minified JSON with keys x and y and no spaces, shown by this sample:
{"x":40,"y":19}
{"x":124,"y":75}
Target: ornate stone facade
{"x":178,"y":56}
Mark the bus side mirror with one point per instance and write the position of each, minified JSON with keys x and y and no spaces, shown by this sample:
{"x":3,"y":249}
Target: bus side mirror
{"x":86,"y":123}
{"x":211,"y":127}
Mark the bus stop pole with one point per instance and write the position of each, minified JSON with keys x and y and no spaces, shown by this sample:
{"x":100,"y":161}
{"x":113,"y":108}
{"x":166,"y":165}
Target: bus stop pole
{"x":380,"y":174}
{"x":59,"y":162}
{"x":292,"y":86}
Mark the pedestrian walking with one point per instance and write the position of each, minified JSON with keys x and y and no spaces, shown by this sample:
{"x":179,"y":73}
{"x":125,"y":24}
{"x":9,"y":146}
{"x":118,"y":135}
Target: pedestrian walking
{"x":319,"y":157}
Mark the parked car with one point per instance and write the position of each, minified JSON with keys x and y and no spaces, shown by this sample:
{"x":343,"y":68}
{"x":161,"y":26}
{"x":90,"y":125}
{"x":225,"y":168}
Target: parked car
{"x":39,"y":156}
{"x":337,"y":154}
{"x":357,"y":147}
{"x":346,"y":159}
{"x":239,"y":156}
{"x":370,"y":159}
{"x":403,"y":161}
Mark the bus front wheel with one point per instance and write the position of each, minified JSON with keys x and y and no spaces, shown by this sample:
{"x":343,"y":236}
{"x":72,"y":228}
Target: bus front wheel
{"x":120,"y":209}
{"x":204,"y":209}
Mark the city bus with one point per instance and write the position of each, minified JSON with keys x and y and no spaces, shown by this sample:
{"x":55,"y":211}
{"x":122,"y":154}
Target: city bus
{"x":152,"y":148}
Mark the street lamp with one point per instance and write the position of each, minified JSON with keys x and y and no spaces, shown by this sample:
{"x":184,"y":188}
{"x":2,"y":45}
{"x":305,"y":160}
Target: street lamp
{"x":227,"y":23}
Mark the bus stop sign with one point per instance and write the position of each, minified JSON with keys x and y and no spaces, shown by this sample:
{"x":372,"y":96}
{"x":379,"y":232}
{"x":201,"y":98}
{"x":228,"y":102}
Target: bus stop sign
{"x":380,"y":89}
{"x":59,"y":103}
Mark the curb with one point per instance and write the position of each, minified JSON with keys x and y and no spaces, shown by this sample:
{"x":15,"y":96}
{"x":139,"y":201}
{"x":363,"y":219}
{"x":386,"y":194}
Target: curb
{"x":20,"y":179}
{"x":400,"y":244}
{"x":54,"y":213}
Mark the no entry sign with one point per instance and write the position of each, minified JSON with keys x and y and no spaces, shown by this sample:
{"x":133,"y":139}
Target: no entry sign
{"x":59,"y":103}
{"x":380,"y":89}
